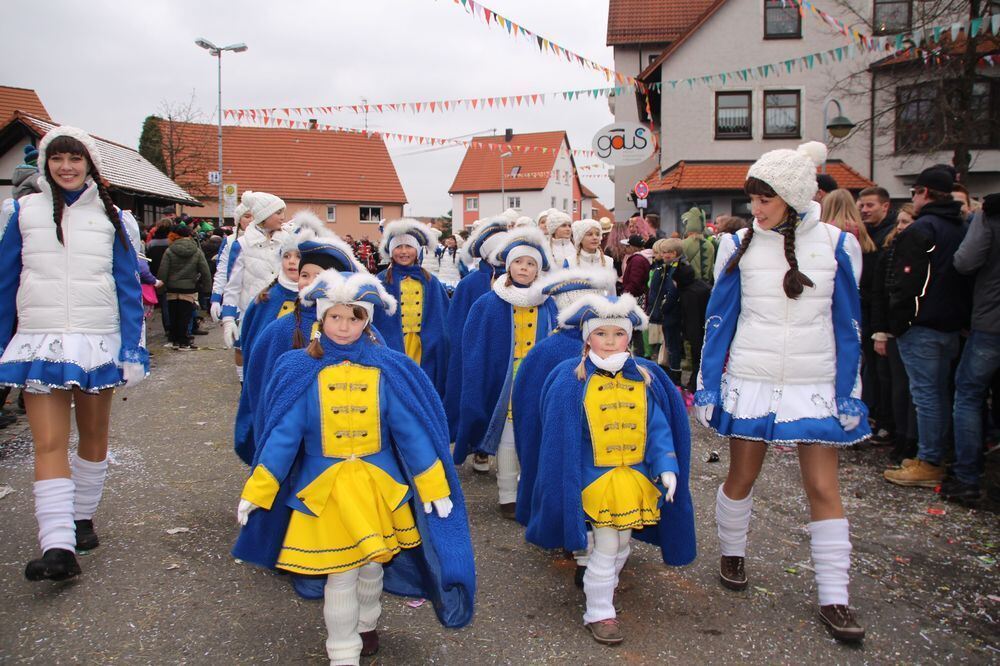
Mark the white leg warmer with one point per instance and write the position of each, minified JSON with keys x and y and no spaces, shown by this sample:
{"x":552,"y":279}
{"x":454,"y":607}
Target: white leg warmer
{"x":624,"y":550}
{"x":369,"y":596}
{"x":507,"y":467}
{"x":583,"y":556}
{"x":340,"y":611}
{"x":599,"y":580}
{"x":831,"y":555}
{"x":89,"y":480}
{"x":732,"y":518}
{"x":54,"y":513}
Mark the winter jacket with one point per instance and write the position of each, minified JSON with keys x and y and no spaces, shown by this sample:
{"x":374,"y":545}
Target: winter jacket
{"x":184,"y":269}
{"x":253,"y":263}
{"x":693,"y":295}
{"x":924,"y":287}
{"x":879,"y":304}
{"x":563,"y":252}
{"x":979,"y":254}
{"x":700,"y":251}
{"x":661,"y":305}
{"x":25,"y":180}
{"x":878,"y":232}
{"x":635,"y":273}
{"x":154,"y":252}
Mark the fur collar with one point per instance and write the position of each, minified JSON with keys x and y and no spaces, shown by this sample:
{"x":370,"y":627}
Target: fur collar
{"x":524,"y":297}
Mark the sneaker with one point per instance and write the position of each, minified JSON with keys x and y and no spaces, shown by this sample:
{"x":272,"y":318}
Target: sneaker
{"x":508,"y":510}
{"x":840,"y":622}
{"x":606,"y":632}
{"x":481,"y":463}
{"x":187,"y":348}
{"x":954,"y":490}
{"x":55,"y":564}
{"x":369,"y":643}
{"x":732,"y":572}
{"x":920,"y":473}
{"x":86,"y":537}
{"x":169,"y":345}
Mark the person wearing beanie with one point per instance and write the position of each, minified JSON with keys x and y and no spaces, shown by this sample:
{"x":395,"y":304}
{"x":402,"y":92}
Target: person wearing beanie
{"x":418,"y":327}
{"x":184,"y":272}
{"x":478,"y":249}
{"x":502,"y":327}
{"x":930,"y":304}
{"x":559,"y":227}
{"x":354,"y":473}
{"x":71,"y":330}
{"x":825,"y":183}
{"x":25,"y":177}
{"x":588,"y":240}
{"x":700,"y":251}
{"x":615,"y":458}
{"x":781,"y":365}
{"x":243,"y":219}
{"x":253,"y":263}
{"x":542,"y":219}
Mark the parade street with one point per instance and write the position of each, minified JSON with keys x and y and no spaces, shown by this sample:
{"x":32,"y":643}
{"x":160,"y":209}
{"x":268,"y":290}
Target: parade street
{"x":163,"y":588}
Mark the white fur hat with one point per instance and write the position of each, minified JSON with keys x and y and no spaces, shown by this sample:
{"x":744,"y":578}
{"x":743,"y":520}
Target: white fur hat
{"x":261,"y":205}
{"x":74,"y":133}
{"x":483,"y":241}
{"x":332,"y":287}
{"x":593,"y":311}
{"x":567,"y":285}
{"x":524,"y":221}
{"x":510,"y":215}
{"x":581,"y":227}
{"x":545,"y":213}
{"x":406,"y":231}
{"x":791,"y":173}
{"x":525,"y":241}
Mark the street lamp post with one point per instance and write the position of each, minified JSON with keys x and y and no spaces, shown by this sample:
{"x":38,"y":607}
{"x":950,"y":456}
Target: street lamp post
{"x":503,"y":194}
{"x":839,"y":127}
{"x":216,"y":51}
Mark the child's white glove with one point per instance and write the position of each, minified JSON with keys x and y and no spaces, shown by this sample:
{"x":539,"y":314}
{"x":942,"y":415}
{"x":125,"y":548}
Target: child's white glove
{"x":703,"y":413}
{"x":848,"y":422}
{"x":133,"y":373}
{"x":216,"y":311}
{"x":229,"y":332}
{"x":669,"y":480}
{"x":244,"y":510}
{"x":443,"y":507}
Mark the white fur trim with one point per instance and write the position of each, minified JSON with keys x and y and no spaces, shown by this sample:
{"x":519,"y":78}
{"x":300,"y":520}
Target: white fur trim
{"x":75,"y":133}
{"x":607,"y":309}
{"x":581,"y":227}
{"x":401,"y":227}
{"x":601,"y":279}
{"x":524,"y":251}
{"x":533,"y":236}
{"x":510,"y":215}
{"x":525,"y":297}
{"x":621,"y":322}
{"x":341,"y":290}
{"x":524,"y":221}
{"x":306,"y":226}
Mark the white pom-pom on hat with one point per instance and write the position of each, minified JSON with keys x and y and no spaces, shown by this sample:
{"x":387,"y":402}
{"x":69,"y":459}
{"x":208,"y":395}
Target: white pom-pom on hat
{"x":815,"y":151}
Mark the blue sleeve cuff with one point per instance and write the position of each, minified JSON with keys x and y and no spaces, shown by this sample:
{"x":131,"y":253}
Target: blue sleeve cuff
{"x":706,"y":397}
{"x":216,"y":298}
{"x":134,"y":355}
{"x":230,"y":311}
{"x":852,"y":407}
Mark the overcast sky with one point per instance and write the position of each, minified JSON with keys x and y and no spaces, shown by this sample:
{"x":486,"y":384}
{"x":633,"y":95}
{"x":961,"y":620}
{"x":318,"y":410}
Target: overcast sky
{"x":104,"y":66}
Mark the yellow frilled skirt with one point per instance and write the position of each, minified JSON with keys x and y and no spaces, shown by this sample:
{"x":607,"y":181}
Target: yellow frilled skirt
{"x":360,"y":518}
{"x":623,"y":499}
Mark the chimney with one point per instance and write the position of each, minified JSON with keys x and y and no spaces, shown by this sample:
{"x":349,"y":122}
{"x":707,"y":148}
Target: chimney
{"x":508,"y":134}
{"x":313,"y":124}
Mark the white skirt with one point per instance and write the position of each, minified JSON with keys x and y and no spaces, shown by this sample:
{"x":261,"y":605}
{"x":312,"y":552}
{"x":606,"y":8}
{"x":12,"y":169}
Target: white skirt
{"x":39,"y":362}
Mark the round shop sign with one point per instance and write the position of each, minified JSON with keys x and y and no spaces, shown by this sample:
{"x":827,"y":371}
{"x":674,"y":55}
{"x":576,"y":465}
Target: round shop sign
{"x":624,"y":144}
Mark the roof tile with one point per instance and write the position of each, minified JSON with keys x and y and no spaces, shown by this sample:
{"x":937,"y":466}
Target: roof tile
{"x":20,"y":99}
{"x":732,"y":175}
{"x":644,"y":22}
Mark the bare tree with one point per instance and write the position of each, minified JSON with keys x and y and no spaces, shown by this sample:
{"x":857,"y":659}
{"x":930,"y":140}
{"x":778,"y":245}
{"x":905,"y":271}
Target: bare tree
{"x":175,"y":140}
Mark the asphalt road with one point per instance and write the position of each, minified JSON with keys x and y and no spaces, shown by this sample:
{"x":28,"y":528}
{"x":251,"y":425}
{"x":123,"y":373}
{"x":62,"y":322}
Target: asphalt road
{"x":163,"y":589}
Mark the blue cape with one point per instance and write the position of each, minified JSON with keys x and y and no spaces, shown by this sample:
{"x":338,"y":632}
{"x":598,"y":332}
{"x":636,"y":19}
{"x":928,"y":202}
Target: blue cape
{"x":535,"y":368}
{"x":557,"y":519}
{"x":488,"y":350}
{"x":261,"y":313}
{"x":469,"y":289}
{"x":441,"y":569}
{"x":433,"y":331}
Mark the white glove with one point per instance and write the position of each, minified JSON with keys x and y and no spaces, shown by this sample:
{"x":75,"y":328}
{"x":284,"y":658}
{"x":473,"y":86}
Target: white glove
{"x":133,"y":373}
{"x":669,"y":480}
{"x":703,"y":413}
{"x":229,"y":332}
{"x":215,"y":311}
{"x":244,"y":510}
{"x":443,"y":507}
{"x":848,"y":422}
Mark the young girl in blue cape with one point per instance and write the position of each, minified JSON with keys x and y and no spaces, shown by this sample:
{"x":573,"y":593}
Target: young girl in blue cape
{"x":502,"y":328}
{"x":355,"y":459}
{"x":482,"y":243}
{"x":781,"y":365}
{"x":613,"y":428}
{"x":277,"y":300}
{"x":418,"y":327}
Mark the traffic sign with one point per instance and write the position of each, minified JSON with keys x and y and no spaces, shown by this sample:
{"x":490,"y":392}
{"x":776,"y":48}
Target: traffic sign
{"x":641,"y":189}
{"x":214,"y":178}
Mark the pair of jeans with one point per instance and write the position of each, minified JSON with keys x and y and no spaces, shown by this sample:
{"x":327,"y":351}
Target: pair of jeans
{"x":180,"y":320}
{"x":927,"y":355}
{"x":980,"y":360}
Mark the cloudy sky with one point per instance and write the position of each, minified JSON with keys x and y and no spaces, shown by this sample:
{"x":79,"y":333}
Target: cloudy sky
{"x":105,"y":65}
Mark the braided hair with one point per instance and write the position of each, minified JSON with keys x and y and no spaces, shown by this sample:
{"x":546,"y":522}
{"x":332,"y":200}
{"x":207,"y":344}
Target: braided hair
{"x":298,"y":340}
{"x":795,"y":281}
{"x":67,"y":144}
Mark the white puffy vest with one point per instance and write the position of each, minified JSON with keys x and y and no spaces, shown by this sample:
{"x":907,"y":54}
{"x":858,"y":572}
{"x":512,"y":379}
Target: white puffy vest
{"x":564,"y":253}
{"x":591,"y":260}
{"x":448,"y":271}
{"x":68,"y":287}
{"x":261,"y":263}
{"x":778,"y":339}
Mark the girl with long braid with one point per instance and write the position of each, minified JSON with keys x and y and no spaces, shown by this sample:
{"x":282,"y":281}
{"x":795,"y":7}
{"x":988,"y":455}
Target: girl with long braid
{"x":781,"y":365}
{"x":70,"y":278}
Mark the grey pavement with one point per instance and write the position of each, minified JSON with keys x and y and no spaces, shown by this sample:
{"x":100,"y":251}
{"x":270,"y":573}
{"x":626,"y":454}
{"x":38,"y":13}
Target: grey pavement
{"x":163,"y":589}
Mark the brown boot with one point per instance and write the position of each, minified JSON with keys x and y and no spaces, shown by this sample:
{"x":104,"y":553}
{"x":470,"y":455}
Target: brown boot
{"x":732,"y":574}
{"x":921,"y":473}
{"x":840,"y":622}
{"x":606,"y":632}
{"x":369,"y":643}
{"x":481,"y":463}
{"x":508,"y":510}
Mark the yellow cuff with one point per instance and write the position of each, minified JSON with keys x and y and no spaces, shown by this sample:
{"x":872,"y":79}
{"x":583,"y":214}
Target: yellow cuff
{"x":432,"y":483}
{"x":261,"y":488}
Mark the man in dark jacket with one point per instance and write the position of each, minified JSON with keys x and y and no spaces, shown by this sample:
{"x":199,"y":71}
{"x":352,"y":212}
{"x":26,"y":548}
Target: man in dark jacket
{"x":928,"y":307}
{"x":184,"y":272}
{"x":879,"y":218}
{"x":978,"y":255}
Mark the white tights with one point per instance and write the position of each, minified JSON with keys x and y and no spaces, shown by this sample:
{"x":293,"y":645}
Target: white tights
{"x":351,"y":605}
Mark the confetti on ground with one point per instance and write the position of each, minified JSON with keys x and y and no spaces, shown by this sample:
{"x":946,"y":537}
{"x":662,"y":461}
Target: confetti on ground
{"x":935,"y":511}
{"x":5,"y":490}
{"x":178,"y":530}
{"x":416,"y":603}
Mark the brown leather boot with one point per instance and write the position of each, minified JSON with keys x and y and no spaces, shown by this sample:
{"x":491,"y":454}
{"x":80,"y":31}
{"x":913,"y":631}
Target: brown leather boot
{"x":732,"y":574}
{"x":606,"y":632}
{"x":508,"y":510}
{"x":369,"y":643}
{"x":840,"y":622}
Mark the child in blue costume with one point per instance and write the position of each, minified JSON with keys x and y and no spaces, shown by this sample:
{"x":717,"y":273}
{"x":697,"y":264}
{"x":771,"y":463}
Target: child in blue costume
{"x":276,"y":301}
{"x":418,"y":327}
{"x":564,"y":287}
{"x":483,"y":241}
{"x":355,"y":459}
{"x":781,"y":364}
{"x":613,"y":428}
{"x":71,"y":330}
{"x":503,"y":326}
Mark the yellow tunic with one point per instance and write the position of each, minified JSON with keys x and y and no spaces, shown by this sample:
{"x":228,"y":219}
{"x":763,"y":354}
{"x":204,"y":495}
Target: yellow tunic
{"x":525,"y":332}
{"x":287,"y":308}
{"x":411,"y":310}
{"x":622,"y":497}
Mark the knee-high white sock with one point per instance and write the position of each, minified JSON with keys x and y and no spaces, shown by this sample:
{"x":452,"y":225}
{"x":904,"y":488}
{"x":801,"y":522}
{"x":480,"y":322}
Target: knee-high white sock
{"x":369,"y":596}
{"x":583,"y":556}
{"x":89,"y":480}
{"x":239,"y":373}
{"x":732,"y":519}
{"x":599,"y":586}
{"x":340,"y":611}
{"x":831,"y":555}
{"x":507,"y":467}
{"x":54,"y":513}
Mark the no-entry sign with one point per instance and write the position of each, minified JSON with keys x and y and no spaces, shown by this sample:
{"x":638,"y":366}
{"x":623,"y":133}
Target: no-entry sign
{"x":641,"y":189}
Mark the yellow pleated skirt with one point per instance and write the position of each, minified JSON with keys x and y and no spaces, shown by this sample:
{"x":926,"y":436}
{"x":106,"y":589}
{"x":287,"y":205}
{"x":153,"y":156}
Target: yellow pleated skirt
{"x":360,"y":517}
{"x":623,"y":499}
